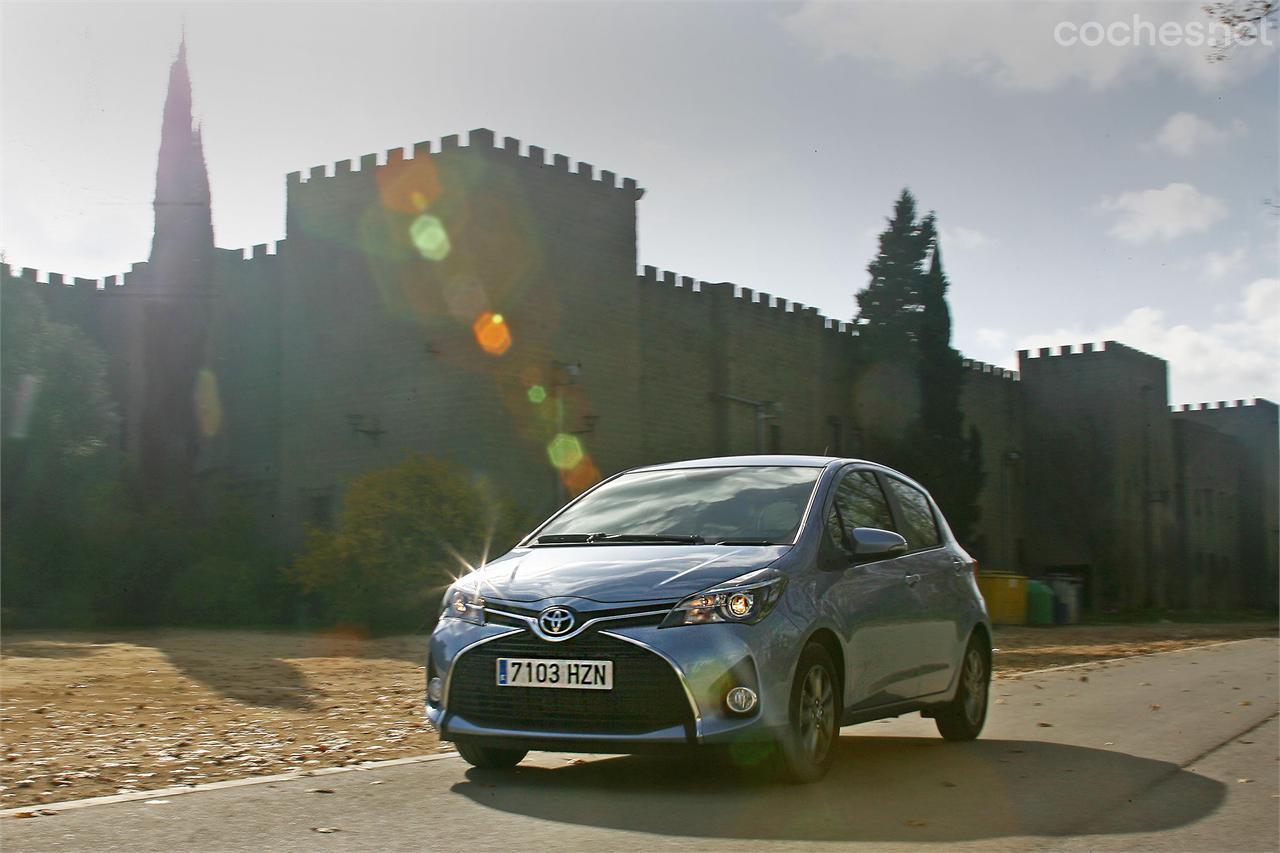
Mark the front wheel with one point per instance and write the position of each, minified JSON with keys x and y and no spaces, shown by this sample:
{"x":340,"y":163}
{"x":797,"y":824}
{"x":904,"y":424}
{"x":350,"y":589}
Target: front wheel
{"x":805,"y":752}
{"x":489,"y":757}
{"x":963,"y":717}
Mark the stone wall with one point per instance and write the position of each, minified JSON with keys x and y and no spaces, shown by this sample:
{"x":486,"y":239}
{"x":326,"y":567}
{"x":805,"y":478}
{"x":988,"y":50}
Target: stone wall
{"x":479,"y":301}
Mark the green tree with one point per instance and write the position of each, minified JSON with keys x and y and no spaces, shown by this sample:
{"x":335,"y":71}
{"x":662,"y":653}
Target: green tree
{"x":58,"y":454}
{"x":904,"y":321}
{"x":950,"y":461}
{"x":403,"y":534}
{"x":889,"y":307}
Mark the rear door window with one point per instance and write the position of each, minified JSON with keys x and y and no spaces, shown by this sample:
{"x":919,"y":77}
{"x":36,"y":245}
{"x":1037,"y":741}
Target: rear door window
{"x":919,"y":527}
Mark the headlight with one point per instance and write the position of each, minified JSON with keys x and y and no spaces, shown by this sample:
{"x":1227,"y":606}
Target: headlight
{"x":468,"y":607}
{"x":747,"y":599}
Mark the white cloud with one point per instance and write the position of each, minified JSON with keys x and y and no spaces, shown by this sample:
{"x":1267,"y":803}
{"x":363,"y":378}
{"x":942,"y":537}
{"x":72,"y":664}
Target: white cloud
{"x":1012,"y":44}
{"x":1234,"y":359}
{"x":1216,"y":266}
{"x":970,"y":239}
{"x":1186,"y":133}
{"x":1165,"y":214}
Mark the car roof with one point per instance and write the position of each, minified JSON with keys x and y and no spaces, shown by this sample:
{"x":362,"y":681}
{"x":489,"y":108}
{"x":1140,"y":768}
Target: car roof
{"x":759,"y":460}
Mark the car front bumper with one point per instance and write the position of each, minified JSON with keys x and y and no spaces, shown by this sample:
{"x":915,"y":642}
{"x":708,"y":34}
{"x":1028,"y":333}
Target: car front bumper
{"x":708,"y":660}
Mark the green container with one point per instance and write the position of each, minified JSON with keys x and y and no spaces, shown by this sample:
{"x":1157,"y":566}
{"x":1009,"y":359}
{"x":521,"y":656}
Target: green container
{"x":1039,"y":603}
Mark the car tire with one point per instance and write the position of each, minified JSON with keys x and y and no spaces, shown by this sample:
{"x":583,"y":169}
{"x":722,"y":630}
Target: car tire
{"x":963,"y":717}
{"x":489,"y":757}
{"x":807,"y":749}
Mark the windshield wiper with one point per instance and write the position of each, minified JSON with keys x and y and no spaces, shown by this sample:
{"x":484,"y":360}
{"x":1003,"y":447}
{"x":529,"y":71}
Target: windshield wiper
{"x":578,"y":538}
{"x":556,"y":538}
{"x":679,"y":538}
{"x":746,"y":541}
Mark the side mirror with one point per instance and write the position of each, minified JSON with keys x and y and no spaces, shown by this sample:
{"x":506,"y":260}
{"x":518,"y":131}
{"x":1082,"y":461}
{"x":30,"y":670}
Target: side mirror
{"x":870,"y":543}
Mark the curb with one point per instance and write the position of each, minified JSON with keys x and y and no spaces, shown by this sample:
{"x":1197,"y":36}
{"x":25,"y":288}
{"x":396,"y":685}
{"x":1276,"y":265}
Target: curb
{"x":133,"y":796}
{"x":1083,"y":664}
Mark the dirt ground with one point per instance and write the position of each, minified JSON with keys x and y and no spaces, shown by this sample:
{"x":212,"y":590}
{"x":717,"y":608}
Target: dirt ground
{"x":87,"y":714}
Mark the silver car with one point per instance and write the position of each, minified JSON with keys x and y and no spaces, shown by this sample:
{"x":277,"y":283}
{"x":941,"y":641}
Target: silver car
{"x":756,"y":602}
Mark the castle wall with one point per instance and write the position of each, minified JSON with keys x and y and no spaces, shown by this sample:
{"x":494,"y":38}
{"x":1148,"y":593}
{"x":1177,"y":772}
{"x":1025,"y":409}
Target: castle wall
{"x":478,"y":301}
{"x":1207,"y":571}
{"x":1255,"y":493}
{"x":239,"y":390}
{"x":384,"y":330}
{"x":992,"y":403}
{"x":1099,"y":466}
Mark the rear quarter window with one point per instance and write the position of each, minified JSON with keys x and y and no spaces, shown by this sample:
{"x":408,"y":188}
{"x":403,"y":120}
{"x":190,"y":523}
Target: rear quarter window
{"x":919,"y":527}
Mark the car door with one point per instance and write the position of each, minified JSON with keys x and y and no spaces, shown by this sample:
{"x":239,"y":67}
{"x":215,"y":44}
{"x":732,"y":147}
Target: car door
{"x":931,"y":567}
{"x":873,"y":601}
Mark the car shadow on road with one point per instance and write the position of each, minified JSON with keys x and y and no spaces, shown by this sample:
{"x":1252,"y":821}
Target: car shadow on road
{"x":880,"y":789}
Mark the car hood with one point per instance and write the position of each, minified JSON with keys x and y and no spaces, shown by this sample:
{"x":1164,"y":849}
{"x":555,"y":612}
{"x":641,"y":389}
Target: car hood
{"x":617,"y":573}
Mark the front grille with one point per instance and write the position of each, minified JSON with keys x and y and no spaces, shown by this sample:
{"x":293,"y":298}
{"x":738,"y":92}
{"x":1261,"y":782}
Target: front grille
{"x":646,"y":695}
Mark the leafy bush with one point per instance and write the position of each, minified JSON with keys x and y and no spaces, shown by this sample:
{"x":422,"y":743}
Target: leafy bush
{"x":403,"y":534}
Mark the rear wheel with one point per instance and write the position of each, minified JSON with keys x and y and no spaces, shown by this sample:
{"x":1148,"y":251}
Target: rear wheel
{"x":806,"y":751}
{"x":489,"y":757}
{"x":963,"y":717}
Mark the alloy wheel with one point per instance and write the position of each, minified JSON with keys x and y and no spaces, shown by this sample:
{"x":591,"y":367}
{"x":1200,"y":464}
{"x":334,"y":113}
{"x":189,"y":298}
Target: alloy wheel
{"x":975,"y":685}
{"x":817,"y":713}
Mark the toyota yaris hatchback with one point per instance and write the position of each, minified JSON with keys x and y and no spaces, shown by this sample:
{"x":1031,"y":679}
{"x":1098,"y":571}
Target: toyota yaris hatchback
{"x":766,"y":599}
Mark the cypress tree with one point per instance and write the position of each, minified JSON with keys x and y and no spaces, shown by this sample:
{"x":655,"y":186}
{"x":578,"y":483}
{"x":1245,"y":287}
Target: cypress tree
{"x":903,"y":318}
{"x":951,"y":462}
{"x":889,"y":307}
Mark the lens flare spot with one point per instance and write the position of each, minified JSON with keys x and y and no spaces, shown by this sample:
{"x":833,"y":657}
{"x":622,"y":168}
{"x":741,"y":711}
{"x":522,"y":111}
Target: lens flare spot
{"x":492,"y":333}
{"x":428,"y":235}
{"x":409,"y":186}
{"x":581,"y":477}
{"x":565,"y":451}
{"x":208,"y":403}
{"x":537,"y":394}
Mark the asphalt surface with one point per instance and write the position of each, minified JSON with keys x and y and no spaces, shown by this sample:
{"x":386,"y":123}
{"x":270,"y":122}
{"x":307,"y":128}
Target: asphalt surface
{"x":1174,"y":751}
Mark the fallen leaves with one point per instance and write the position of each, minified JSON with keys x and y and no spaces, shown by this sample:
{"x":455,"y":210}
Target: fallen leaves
{"x":181,"y":707}
{"x":1044,"y":725}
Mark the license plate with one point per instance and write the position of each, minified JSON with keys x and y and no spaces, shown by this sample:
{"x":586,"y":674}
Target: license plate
{"x":570,"y":674}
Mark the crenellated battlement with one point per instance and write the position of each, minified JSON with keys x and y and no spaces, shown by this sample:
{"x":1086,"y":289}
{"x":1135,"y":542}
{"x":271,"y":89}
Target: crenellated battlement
{"x":1255,"y":403}
{"x":991,"y":370}
{"x":1086,"y":349}
{"x":70,"y":284}
{"x":745,"y":296}
{"x":258,"y":251}
{"x":481,"y":139}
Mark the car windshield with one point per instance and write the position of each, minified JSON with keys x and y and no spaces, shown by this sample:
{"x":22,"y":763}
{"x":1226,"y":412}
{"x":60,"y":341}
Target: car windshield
{"x":746,"y":505}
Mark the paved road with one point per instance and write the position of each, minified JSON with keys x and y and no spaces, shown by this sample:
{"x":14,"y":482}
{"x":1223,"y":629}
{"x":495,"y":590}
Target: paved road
{"x":1148,"y":753}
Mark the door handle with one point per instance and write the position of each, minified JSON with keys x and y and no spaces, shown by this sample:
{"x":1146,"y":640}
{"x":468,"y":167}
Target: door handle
{"x":958,"y":565}
{"x":912,"y":580}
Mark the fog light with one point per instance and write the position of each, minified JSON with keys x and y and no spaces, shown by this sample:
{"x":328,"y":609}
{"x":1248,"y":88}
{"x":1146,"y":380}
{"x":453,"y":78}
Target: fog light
{"x":741,"y":700}
{"x":435,"y":690}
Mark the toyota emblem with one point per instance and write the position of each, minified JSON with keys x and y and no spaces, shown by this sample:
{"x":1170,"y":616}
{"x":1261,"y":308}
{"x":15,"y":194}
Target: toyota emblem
{"x":556,"y":621}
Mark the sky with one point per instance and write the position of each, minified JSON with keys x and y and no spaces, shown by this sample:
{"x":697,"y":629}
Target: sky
{"x":1085,"y":191}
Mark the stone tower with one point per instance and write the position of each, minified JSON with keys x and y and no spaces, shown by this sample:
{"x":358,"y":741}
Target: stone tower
{"x":162,"y":427}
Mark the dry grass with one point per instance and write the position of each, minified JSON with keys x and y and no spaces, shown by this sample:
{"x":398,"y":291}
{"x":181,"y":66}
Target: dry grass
{"x":86,"y":714}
